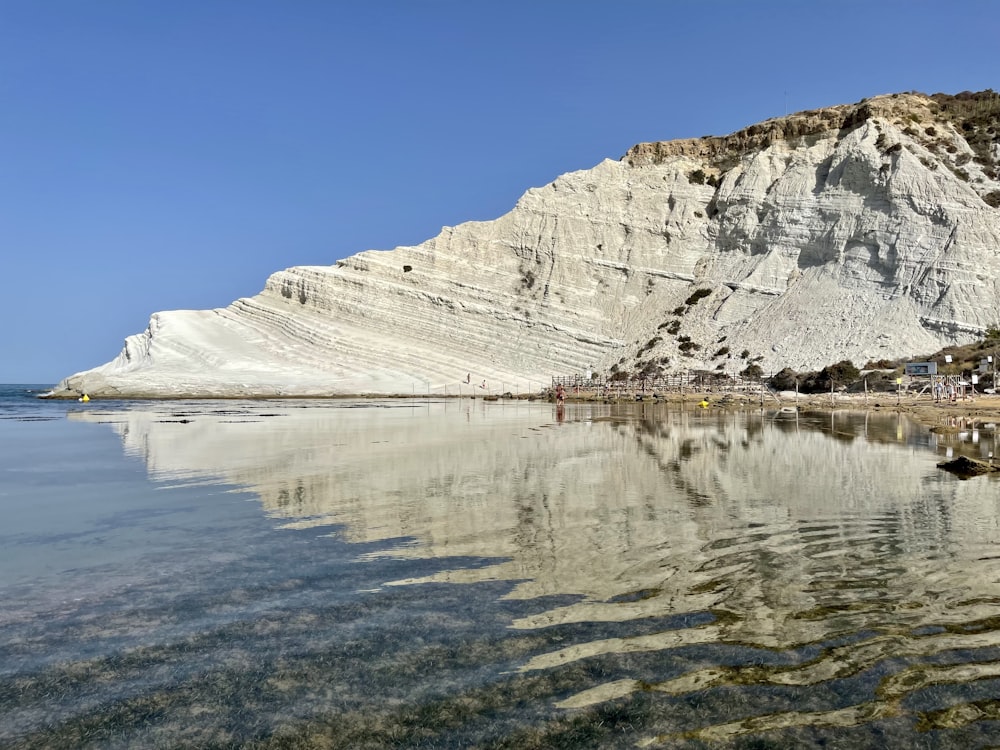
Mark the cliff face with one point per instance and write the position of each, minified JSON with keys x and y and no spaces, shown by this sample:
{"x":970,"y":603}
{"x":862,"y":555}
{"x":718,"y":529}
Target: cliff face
{"x":856,"y":232}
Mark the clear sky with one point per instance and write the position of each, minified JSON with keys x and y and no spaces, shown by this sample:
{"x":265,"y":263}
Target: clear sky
{"x":169,"y":155}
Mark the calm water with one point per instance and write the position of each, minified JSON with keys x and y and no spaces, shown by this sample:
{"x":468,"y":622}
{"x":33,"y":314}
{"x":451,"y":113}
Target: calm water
{"x":490,"y":574}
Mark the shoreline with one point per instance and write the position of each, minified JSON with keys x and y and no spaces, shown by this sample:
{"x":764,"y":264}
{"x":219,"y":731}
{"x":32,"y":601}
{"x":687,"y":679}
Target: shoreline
{"x":922,"y":408}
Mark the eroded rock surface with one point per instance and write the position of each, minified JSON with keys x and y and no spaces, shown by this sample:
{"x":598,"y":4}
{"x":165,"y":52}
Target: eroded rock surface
{"x":857,"y":232}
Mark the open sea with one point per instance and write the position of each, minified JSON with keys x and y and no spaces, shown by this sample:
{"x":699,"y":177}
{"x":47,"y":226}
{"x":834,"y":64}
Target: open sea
{"x":429,"y":573}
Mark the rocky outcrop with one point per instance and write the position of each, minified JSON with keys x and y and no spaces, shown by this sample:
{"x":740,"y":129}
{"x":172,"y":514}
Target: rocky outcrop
{"x":859,"y":232}
{"x":965,"y":468}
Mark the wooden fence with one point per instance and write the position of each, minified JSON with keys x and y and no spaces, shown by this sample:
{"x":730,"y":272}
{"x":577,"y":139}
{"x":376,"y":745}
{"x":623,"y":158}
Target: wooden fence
{"x":678,"y":383}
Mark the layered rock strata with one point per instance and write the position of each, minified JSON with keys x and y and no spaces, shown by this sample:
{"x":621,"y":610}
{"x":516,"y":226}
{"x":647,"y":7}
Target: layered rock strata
{"x":859,"y":232}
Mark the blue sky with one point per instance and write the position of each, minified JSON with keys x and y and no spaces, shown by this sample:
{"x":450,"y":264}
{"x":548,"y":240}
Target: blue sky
{"x":169,"y":155}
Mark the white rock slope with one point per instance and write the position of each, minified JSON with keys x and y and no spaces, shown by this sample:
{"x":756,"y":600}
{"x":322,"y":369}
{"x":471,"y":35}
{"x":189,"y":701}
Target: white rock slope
{"x":856,"y":232}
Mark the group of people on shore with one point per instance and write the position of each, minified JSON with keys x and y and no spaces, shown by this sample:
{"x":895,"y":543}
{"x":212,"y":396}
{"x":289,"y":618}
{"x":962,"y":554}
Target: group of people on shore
{"x":948,"y":391}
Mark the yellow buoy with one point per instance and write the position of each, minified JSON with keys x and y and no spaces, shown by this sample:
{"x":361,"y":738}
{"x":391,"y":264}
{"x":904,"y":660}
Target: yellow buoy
{"x":703,"y":404}
{"x":85,"y":398}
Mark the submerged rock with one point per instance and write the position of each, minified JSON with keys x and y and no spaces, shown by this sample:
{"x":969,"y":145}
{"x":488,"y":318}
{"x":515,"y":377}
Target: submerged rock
{"x":965,"y":468}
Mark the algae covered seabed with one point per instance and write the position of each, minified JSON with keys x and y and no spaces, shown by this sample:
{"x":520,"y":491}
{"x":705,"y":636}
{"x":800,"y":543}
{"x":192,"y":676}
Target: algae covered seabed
{"x":494,"y":574}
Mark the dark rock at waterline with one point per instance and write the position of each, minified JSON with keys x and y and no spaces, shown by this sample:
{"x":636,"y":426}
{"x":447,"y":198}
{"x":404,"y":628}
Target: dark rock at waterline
{"x":965,"y":468}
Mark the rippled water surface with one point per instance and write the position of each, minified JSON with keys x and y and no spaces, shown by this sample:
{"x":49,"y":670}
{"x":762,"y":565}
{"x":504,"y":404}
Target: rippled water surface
{"x":494,"y":575}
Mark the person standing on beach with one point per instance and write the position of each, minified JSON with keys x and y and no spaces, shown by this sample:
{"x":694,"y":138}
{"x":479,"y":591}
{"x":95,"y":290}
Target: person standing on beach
{"x":560,"y":394}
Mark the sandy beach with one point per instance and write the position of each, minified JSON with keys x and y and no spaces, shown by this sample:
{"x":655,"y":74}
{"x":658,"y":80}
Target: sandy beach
{"x":922,"y":408}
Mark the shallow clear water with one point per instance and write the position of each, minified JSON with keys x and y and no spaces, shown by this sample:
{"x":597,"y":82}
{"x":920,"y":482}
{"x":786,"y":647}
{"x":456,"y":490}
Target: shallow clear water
{"x":491,"y":574}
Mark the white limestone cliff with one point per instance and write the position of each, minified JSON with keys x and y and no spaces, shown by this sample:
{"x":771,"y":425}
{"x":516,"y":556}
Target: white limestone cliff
{"x":857,"y":232}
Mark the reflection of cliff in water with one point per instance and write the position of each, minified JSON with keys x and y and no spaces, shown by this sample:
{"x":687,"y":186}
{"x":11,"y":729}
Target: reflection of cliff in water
{"x":640,"y":510}
{"x":832,"y":541}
